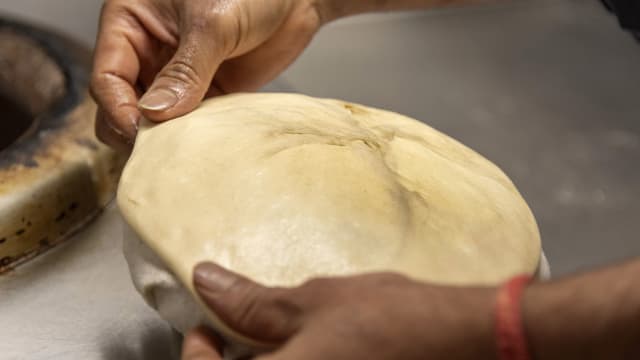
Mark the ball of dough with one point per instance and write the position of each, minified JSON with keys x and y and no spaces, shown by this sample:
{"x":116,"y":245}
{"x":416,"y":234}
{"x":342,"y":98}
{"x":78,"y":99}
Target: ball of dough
{"x":283,"y":188}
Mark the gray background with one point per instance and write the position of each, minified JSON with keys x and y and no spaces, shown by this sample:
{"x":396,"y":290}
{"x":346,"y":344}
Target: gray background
{"x":549,"y":90}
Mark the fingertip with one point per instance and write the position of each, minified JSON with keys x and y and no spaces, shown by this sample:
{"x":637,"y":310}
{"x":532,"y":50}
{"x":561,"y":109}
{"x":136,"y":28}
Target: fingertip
{"x":117,"y":109}
{"x":106,"y":133}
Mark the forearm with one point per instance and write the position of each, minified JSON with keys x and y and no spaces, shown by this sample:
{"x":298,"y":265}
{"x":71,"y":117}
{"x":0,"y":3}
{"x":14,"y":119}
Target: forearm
{"x":590,"y":316}
{"x":334,"y":9}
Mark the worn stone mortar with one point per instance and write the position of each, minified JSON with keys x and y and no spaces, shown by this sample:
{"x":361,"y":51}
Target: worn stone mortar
{"x":55,"y":176}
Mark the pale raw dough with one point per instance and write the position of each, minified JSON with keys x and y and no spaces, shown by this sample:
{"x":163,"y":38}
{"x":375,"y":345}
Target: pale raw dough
{"x":282,"y":188}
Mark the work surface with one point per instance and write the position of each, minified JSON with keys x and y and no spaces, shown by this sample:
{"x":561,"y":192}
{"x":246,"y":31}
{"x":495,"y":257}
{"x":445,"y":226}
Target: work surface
{"x":549,"y":90}
{"x":77,"y":302}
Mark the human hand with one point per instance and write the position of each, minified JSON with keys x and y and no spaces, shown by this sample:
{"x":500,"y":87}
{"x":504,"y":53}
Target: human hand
{"x":160,"y":58}
{"x":378,"y":316}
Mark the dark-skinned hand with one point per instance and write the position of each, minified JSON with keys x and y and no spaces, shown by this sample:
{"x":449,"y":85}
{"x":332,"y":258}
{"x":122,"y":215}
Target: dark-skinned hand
{"x":377,"y":316}
{"x":160,"y":58}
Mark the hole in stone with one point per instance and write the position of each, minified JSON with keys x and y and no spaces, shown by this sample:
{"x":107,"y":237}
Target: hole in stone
{"x":30,"y":83}
{"x":14,"y":122}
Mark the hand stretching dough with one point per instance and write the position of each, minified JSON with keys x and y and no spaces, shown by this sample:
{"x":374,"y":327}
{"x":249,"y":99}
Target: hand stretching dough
{"x":284,"y":187}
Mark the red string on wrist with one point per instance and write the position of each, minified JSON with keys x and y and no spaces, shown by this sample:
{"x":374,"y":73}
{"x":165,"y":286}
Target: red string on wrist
{"x":510,"y":334}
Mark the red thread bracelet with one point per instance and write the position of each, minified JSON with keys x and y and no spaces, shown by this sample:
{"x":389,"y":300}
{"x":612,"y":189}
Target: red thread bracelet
{"x":510,"y":334}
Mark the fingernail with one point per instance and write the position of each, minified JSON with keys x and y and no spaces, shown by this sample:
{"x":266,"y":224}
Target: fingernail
{"x":132,"y":130}
{"x":158,"y":100}
{"x":212,"y":278}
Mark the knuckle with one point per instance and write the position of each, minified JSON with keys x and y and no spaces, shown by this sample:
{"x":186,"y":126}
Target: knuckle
{"x":205,"y":22}
{"x":270,"y":312}
{"x":95,"y":85}
{"x":286,"y":301}
{"x":219,"y":24}
{"x":181,"y":71}
{"x":205,"y":15}
{"x":279,"y":325}
{"x":200,"y":24}
{"x":307,"y":24}
{"x":246,"y":306}
{"x":274,"y":313}
{"x":101,"y":85}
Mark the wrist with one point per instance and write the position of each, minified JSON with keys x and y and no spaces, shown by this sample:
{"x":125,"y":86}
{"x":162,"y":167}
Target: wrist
{"x":590,"y":316}
{"x":467,"y":331}
{"x":550,"y":322}
{"x":482,"y":320}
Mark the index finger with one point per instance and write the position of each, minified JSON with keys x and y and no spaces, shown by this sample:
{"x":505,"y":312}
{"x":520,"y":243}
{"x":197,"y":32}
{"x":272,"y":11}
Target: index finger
{"x":116,"y":69}
{"x":200,"y":344}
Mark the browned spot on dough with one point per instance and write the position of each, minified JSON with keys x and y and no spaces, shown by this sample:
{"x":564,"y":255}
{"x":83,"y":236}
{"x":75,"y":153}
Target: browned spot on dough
{"x":354,"y":109}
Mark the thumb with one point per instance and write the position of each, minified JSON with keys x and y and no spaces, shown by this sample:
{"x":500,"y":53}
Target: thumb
{"x":264,"y":314}
{"x":183,"y":82}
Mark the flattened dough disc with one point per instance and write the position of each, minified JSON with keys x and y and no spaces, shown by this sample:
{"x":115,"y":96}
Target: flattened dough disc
{"x":282,"y":188}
